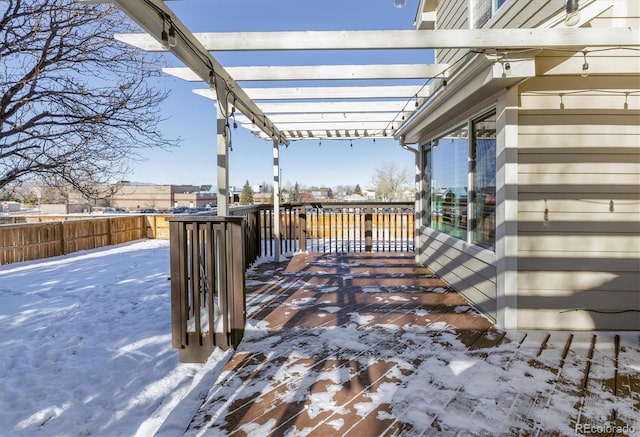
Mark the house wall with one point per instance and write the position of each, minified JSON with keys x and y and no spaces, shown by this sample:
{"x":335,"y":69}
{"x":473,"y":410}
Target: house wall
{"x":451,"y":15}
{"x":578,"y":203}
{"x":454,"y":14}
{"x":567,"y":252}
{"x":132,"y":197}
{"x":469,"y":269}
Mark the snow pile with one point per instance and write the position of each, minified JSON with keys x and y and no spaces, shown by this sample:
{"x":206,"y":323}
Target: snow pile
{"x":86,"y":345}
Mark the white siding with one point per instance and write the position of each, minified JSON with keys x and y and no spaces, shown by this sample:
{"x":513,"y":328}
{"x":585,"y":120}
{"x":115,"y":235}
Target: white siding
{"x":469,"y":269}
{"x":451,"y":15}
{"x":578,"y":209}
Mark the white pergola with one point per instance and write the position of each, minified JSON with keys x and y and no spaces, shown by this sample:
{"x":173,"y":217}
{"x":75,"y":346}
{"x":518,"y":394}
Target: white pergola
{"x":303,"y":112}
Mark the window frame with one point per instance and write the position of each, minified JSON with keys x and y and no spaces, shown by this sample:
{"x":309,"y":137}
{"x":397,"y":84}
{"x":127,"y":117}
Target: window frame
{"x":427,"y":150}
{"x":492,"y":10}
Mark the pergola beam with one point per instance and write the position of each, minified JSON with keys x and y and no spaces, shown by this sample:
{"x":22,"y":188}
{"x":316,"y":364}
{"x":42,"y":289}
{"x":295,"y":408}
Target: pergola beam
{"x":326,"y":107}
{"x":404,"y":39}
{"x":321,"y":72}
{"x":343,"y":126}
{"x":344,"y":117}
{"x":323,"y":93}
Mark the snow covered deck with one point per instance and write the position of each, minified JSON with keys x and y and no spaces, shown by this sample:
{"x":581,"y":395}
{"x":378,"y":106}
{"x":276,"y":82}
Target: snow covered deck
{"x":369,"y":344}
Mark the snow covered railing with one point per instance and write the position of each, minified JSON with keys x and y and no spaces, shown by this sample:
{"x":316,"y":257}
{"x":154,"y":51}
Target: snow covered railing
{"x":207,"y":256}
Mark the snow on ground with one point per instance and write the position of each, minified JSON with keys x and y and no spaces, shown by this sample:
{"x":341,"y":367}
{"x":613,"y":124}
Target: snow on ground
{"x":85,"y":343}
{"x":86,"y":350}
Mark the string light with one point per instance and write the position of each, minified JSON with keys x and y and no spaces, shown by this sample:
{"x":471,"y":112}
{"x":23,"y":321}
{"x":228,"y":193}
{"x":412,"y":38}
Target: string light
{"x":585,"y":65}
{"x":573,"y":15}
{"x":173,"y":41}
{"x":626,"y":100}
{"x":506,"y":64}
{"x":164,"y":37}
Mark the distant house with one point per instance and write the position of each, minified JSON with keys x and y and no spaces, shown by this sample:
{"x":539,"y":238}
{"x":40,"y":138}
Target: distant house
{"x":530,"y":165}
{"x":355,"y":198}
{"x":321,"y":193}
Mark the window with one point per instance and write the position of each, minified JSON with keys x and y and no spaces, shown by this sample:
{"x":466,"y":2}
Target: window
{"x":481,"y":11}
{"x":483,"y":170}
{"x":462,"y":174}
{"x":448,"y":167}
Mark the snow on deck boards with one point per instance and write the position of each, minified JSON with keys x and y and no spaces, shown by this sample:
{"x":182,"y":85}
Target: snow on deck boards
{"x":370,"y":344}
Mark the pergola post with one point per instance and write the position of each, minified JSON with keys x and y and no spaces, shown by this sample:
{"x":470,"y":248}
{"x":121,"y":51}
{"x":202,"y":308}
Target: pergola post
{"x":276,"y":199}
{"x":222,"y":141}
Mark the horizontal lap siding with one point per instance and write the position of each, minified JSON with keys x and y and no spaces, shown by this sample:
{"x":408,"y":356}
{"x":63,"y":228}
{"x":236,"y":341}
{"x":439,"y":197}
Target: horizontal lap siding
{"x":578,"y":214}
{"x":451,"y":15}
{"x":456,"y":263}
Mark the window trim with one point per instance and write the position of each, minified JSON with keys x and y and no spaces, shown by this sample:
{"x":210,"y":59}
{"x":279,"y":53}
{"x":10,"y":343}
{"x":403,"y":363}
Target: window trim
{"x":471,"y":203}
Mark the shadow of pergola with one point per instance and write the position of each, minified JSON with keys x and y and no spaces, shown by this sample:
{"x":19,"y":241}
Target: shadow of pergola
{"x":370,"y":344}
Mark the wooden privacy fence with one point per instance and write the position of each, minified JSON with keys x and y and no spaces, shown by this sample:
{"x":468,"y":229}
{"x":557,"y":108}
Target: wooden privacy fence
{"x":31,"y":241}
{"x":208,"y":308}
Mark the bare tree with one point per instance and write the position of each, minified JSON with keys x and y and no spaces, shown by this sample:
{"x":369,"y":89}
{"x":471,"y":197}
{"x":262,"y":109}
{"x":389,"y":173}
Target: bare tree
{"x":75,"y":105}
{"x":388,"y":180}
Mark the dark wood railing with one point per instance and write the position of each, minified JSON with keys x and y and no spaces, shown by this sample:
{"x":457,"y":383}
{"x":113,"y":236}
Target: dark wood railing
{"x":332,"y":227}
{"x":210,"y":254}
{"x":208,"y":261}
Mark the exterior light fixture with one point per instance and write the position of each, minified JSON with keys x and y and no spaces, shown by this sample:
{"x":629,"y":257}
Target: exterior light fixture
{"x":399,"y":3}
{"x":585,"y":65}
{"x":573,"y":15}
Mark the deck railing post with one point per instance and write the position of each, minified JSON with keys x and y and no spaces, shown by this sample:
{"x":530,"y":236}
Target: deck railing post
{"x":368,"y":230}
{"x":302,"y":235}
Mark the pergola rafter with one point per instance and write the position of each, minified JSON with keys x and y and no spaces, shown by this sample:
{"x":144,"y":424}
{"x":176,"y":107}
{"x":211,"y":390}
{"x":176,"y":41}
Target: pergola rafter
{"x":396,"y":101}
{"x":560,"y":37}
{"x":321,"y":72}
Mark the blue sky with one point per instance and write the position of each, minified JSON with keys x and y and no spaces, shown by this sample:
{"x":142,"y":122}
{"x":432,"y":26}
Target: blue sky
{"x":192,"y":117}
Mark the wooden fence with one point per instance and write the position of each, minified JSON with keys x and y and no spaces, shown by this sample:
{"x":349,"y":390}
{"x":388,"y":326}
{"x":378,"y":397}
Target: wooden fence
{"x":31,"y":241}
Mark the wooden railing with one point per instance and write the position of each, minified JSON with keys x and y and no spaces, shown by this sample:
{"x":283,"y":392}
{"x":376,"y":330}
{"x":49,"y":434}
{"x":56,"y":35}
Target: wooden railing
{"x":209,"y":256}
{"x":333,"y":227}
{"x":208,"y":261}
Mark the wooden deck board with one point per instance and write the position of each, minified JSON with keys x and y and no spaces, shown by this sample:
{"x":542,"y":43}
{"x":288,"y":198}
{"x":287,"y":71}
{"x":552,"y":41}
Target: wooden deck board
{"x":346,"y":345}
